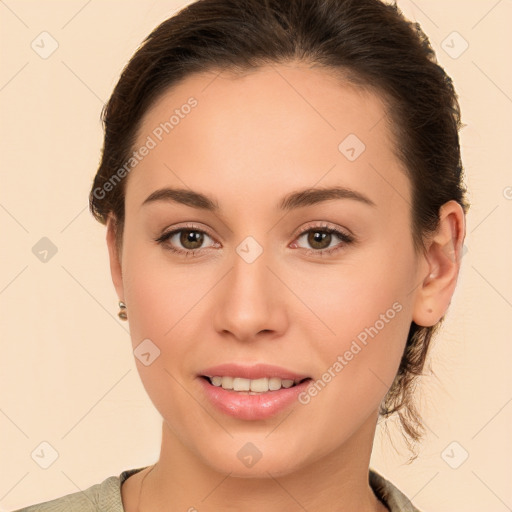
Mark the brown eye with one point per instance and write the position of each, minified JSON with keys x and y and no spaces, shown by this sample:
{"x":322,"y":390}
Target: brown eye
{"x":318,"y":239}
{"x":191,"y":239}
{"x":184,"y":241}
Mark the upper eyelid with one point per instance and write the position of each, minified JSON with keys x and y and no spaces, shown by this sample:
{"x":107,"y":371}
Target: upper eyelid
{"x":300,"y":232}
{"x":324,"y":225}
{"x":189,"y":227}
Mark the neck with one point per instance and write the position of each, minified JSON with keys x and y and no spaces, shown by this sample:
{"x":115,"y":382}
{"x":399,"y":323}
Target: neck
{"x":335,"y":481}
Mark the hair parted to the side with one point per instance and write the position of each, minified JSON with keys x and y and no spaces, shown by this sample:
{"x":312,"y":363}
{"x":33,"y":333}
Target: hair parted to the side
{"x":368,"y":43}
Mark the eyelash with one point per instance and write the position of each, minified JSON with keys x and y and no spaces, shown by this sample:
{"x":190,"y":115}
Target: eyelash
{"x":345,"y":238}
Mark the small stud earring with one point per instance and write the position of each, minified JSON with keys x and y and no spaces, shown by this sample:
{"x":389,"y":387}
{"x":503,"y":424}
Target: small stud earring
{"x":122,"y":311}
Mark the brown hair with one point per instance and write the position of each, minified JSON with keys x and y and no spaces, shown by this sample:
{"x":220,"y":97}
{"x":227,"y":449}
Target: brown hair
{"x":371,"y":44}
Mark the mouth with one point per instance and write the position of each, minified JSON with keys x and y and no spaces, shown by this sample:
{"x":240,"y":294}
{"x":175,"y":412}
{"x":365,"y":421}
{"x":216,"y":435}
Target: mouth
{"x":250,"y":399}
{"x":258,"y":386}
{"x":252,"y":391}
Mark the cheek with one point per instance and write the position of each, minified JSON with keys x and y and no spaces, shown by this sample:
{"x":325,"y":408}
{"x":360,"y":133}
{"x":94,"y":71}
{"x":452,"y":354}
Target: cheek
{"x":160,"y":300}
{"x":154,"y":290}
{"x":366,"y":311}
{"x":164,"y":299}
{"x":351,"y":295}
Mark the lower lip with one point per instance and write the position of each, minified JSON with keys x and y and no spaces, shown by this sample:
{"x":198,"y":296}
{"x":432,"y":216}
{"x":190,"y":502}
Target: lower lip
{"x":251,"y":407}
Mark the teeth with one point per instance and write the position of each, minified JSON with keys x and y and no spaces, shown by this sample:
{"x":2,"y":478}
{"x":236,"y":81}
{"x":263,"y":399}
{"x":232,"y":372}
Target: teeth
{"x":227,"y":382}
{"x":241,"y":384}
{"x":253,"y":385}
{"x":216,"y":381}
{"x":274,"y":383}
{"x":258,"y":385}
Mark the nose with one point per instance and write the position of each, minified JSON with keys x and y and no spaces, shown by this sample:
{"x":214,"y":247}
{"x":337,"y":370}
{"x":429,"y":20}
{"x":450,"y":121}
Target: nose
{"x":251,"y":300}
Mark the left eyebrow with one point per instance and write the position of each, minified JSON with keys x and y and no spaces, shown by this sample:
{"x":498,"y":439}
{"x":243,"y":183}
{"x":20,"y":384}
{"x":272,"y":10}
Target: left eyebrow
{"x":311,"y":196}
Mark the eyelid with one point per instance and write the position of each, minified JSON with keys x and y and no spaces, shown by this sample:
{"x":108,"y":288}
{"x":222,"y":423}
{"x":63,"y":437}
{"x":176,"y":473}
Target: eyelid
{"x":317,"y":224}
{"x":187,"y":225}
{"x":345,"y":235}
{"x":310,"y":225}
{"x":167,"y":234}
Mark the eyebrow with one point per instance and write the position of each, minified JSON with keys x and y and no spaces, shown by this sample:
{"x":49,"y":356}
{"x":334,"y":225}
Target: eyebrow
{"x":311,"y":196}
{"x":294,"y":200}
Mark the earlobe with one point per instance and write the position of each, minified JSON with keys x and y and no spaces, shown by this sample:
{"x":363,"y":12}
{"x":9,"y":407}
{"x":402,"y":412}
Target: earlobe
{"x":115,"y":258}
{"x":442,"y":260}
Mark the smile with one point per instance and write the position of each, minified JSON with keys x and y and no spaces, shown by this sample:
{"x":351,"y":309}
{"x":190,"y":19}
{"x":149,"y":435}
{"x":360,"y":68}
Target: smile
{"x":252,"y":386}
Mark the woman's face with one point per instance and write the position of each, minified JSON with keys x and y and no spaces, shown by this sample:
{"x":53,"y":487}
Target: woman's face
{"x":260,"y":279}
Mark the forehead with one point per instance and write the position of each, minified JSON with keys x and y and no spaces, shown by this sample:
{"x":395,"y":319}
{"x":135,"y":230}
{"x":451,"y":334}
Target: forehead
{"x":287,"y":126}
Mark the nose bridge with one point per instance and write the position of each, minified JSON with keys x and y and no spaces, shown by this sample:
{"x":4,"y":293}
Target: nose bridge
{"x":250,"y":301}
{"x":250,"y":273}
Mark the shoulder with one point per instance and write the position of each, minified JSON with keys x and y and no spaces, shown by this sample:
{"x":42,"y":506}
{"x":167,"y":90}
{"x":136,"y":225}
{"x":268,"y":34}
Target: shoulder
{"x":107,"y":496}
{"x":99,"y":497}
{"x":390,"y":495}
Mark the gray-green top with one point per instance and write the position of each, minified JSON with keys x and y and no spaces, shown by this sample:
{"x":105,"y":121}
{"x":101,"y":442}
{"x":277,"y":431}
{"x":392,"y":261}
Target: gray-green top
{"x":106,"y":496}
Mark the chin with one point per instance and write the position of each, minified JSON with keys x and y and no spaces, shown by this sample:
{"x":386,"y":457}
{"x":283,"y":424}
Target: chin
{"x":247,"y":461}
{"x":261,"y":469}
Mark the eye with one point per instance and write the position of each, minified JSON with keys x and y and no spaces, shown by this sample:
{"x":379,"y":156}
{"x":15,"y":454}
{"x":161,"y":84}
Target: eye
{"x":184,"y":241}
{"x":190,"y":238}
{"x":320,"y":239}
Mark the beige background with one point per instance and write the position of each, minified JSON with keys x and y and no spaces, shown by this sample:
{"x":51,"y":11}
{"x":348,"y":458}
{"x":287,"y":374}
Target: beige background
{"x":67,"y":372}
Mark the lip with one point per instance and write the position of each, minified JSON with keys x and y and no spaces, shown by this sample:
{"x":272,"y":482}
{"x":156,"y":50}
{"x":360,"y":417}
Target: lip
{"x":256,"y":371}
{"x":251,"y":407}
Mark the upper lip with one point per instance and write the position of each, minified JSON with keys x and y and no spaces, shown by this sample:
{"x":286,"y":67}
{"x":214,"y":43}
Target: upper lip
{"x":256,"y":371}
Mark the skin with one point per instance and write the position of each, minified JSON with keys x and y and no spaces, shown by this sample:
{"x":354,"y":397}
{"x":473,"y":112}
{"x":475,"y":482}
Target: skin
{"x":250,"y":141}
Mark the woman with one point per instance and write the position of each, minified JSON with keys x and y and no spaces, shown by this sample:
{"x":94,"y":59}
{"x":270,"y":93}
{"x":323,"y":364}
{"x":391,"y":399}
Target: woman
{"x":282,"y":188}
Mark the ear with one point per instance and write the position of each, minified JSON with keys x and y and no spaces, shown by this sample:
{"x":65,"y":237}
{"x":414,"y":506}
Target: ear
{"x":442,"y":260}
{"x":115,"y":257}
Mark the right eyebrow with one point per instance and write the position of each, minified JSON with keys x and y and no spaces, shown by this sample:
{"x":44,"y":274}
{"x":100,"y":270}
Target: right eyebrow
{"x":183,"y":196}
